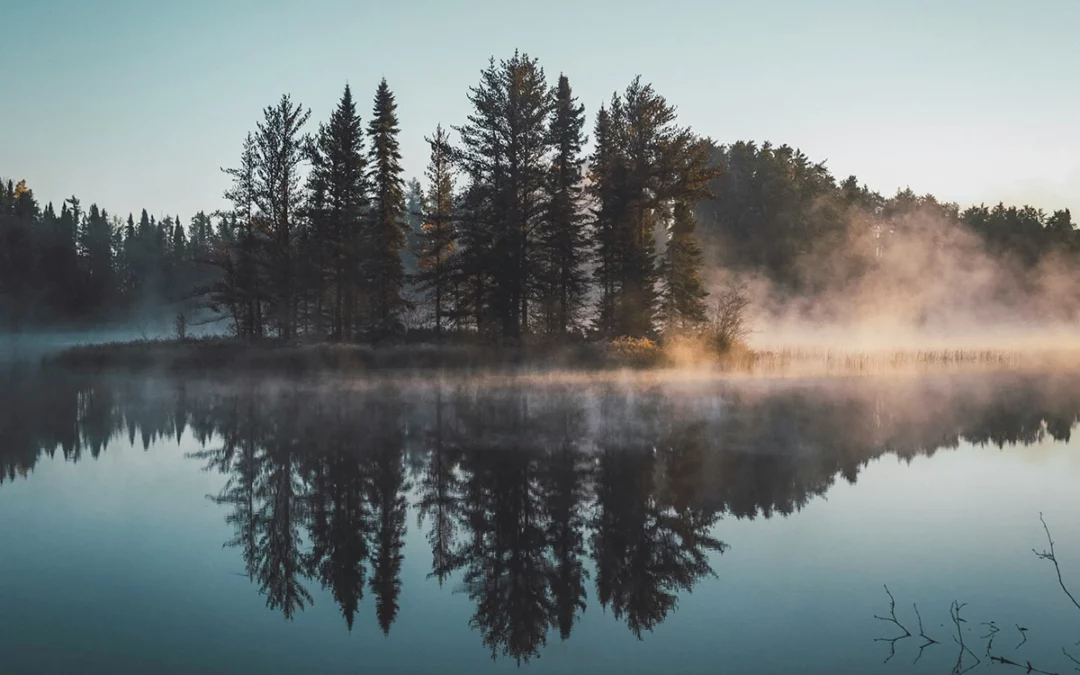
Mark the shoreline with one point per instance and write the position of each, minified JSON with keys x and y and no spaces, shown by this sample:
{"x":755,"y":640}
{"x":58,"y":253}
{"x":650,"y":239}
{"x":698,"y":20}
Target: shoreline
{"x":225,"y":356}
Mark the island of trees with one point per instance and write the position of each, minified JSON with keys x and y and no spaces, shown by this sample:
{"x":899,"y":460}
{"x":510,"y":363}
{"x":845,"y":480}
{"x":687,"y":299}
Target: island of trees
{"x":523,"y":229}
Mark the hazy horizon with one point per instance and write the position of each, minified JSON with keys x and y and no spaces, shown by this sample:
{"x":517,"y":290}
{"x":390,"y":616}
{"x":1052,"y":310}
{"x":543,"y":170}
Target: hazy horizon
{"x":137,"y":106}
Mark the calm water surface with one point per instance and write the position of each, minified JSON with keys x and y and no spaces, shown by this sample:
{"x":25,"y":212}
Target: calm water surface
{"x":170,"y":525}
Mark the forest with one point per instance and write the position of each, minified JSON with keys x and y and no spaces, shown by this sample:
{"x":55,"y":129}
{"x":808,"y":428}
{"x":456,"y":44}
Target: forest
{"x":526,"y":225}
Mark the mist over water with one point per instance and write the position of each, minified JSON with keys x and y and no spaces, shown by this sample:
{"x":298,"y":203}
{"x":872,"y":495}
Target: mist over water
{"x":912,"y":274}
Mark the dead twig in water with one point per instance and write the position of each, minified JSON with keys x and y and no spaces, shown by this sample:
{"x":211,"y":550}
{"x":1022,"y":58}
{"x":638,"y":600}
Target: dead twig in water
{"x":1052,"y":557}
{"x":1071,"y":658}
{"x":954,"y":612}
{"x":1026,"y":666}
{"x":922,"y":634}
{"x":992,"y":630}
{"x":1023,"y":633}
{"x":892,"y":619}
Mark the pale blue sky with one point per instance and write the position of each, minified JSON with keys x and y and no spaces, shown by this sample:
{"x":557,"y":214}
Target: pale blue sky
{"x":133,"y":103}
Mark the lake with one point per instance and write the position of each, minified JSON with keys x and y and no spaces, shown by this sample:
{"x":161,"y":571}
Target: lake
{"x":541,"y":524}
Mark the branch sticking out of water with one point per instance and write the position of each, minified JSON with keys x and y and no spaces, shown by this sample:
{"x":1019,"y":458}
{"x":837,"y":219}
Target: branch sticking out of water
{"x":1052,"y":557}
{"x":892,"y":619}
{"x":1023,"y":633}
{"x":954,"y":612}
{"x":991,"y":631}
{"x":922,"y":634}
{"x":1026,"y":666}
{"x":1071,"y":658}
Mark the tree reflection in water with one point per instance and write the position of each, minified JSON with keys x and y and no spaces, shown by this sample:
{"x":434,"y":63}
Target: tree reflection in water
{"x":527,"y":494}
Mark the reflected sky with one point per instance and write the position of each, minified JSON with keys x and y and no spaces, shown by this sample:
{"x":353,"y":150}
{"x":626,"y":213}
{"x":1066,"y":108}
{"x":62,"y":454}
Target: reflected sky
{"x":174,"y":525}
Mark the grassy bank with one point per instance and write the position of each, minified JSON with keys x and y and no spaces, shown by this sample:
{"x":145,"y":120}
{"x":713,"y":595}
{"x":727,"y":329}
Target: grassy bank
{"x":231,"y":355}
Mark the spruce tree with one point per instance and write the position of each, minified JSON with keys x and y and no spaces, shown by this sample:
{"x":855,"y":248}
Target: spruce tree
{"x":414,"y":219}
{"x":683,"y":290}
{"x":562,"y":239}
{"x":385,"y":236}
{"x":437,"y":235}
{"x":338,"y":176}
{"x":130,"y":278}
{"x":505,"y":155}
{"x":604,"y":167}
{"x":643,"y":164}
{"x":643,"y":124}
{"x":482,"y":161}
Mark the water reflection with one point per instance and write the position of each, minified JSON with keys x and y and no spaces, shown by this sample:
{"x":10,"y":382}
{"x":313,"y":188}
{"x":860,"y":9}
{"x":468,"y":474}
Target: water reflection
{"x":532,"y":497}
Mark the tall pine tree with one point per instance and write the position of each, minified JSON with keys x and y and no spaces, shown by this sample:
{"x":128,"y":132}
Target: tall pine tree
{"x":281,"y":147}
{"x":437,"y":234}
{"x":338,"y":175}
{"x":386,"y":233}
{"x":562,"y":238}
{"x":682,"y":288}
{"x":505,"y":158}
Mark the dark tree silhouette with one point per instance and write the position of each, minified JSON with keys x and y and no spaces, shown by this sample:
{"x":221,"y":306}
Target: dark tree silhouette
{"x":385,"y":237}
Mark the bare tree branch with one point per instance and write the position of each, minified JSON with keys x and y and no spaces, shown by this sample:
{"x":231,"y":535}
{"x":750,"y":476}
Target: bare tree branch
{"x":1023,"y":632}
{"x":992,"y":630}
{"x":954,"y":613}
{"x":1071,"y":658}
{"x":1026,"y":666}
{"x":923,"y":635}
{"x":1051,"y":556}
{"x":892,"y":619}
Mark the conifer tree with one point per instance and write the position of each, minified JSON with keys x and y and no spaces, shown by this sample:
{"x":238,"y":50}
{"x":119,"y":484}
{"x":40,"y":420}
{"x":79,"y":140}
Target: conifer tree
{"x":505,"y":158}
{"x":482,"y":160}
{"x":385,"y":236}
{"x":240,"y":288}
{"x":437,"y":236}
{"x":338,"y":175}
{"x":683,"y":290}
{"x":604,"y":167}
{"x":179,"y":240}
{"x":642,"y":164}
{"x":97,"y":249}
{"x":280,"y":148}
{"x":414,"y":219}
{"x":129,"y":279}
{"x":562,"y":238}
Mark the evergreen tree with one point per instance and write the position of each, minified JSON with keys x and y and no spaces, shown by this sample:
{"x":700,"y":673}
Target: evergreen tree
{"x":482,"y":160}
{"x":604,"y":169}
{"x":642,"y":164}
{"x":683,"y":290}
{"x":437,"y":236}
{"x":387,"y":228}
{"x":338,"y":175}
{"x":16,"y":256}
{"x":129,"y":279}
{"x":682,"y":287}
{"x":95,"y":242}
{"x":505,"y":158}
{"x":240,"y":288}
{"x":280,"y":148}
{"x":563,"y":242}
{"x":414,"y":219}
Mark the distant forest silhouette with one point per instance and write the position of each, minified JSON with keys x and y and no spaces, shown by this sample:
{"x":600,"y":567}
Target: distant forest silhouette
{"x":521,"y":490}
{"x":515,"y":231}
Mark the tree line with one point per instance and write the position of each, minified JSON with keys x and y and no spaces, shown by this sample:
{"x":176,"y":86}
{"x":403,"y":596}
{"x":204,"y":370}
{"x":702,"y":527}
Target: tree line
{"x":519,"y":228}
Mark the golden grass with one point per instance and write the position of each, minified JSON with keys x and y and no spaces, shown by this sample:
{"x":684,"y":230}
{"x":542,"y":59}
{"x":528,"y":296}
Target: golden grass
{"x":855,"y":362}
